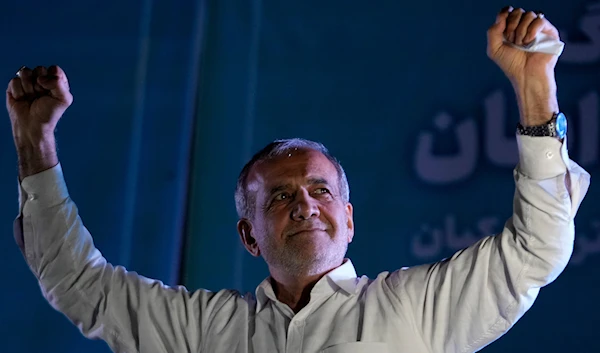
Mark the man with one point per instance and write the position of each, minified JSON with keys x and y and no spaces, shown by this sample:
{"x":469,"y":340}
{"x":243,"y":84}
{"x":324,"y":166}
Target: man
{"x":293,"y":202}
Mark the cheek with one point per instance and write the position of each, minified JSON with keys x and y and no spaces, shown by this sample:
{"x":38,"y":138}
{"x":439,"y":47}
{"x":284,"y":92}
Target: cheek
{"x":279,"y":214}
{"x":272,"y":223}
{"x":343,"y":218}
{"x":337,"y":218}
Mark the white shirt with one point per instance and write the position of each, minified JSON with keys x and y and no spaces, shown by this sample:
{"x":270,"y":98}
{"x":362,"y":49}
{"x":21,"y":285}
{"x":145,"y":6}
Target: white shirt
{"x":460,"y":304}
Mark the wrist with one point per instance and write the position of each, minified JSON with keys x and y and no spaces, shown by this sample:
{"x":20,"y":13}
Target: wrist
{"x":537,"y":100}
{"x":35,"y":154}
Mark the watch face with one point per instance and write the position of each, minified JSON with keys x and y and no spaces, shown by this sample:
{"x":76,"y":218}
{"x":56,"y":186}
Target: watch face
{"x":561,"y":125}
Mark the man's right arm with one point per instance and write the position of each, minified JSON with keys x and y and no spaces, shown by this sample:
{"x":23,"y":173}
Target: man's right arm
{"x":130,"y":312}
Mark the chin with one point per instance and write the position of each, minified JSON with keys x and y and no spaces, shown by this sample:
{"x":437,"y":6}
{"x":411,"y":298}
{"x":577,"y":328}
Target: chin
{"x":310,"y":258}
{"x":322,"y":264}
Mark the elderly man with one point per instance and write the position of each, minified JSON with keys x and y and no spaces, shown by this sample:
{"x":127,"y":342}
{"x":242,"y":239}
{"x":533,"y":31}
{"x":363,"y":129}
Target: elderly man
{"x":293,"y":203}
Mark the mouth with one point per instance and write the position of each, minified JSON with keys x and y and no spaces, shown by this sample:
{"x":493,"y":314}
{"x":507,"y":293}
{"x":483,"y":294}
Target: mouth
{"x":312,"y":230}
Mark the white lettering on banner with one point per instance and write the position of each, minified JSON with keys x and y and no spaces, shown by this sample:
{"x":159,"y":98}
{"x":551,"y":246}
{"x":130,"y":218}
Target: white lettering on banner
{"x":500,"y":150}
{"x":589,"y":51}
{"x":431,"y":242}
{"x":445,"y":169}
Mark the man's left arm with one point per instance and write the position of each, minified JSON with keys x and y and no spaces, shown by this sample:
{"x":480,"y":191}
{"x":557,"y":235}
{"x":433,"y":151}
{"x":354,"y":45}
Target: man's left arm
{"x":463,"y":303}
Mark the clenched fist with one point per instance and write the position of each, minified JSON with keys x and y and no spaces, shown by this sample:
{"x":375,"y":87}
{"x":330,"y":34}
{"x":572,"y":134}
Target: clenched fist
{"x":36,"y":100}
{"x":531,"y":73}
{"x":520,"y":27}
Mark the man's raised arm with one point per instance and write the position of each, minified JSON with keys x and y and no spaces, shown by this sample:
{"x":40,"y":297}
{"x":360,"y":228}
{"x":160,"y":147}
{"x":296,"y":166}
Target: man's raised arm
{"x":130,"y":312}
{"x":463,"y":303}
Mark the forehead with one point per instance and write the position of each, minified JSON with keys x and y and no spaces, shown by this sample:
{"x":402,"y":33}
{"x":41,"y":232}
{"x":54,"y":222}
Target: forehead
{"x":292,"y":166}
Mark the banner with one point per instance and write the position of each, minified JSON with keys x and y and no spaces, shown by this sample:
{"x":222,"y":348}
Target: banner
{"x":422,"y":121}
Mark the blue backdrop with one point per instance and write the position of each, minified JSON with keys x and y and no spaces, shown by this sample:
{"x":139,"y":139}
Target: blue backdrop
{"x":402,"y":93}
{"x":124,"y":143}
{"x":405,"y":96}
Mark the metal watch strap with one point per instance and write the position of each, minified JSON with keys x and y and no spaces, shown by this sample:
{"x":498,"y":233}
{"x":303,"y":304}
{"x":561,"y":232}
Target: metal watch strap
{"x":538,"y":130}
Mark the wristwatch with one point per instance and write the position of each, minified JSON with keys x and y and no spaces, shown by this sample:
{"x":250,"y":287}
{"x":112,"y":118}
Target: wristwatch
{"x":556,"y":127}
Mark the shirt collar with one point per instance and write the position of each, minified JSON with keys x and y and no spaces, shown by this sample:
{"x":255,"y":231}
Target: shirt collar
{"x":342,"y":277}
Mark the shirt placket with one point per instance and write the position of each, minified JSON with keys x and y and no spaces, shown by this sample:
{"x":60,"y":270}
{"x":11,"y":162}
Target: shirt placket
{"x":295,"y":334}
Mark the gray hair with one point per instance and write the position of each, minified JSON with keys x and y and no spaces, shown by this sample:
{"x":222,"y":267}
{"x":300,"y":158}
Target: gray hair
{"x":245,"y":201}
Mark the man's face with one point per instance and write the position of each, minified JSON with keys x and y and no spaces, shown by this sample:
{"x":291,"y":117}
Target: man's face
{"x":301,"y":224}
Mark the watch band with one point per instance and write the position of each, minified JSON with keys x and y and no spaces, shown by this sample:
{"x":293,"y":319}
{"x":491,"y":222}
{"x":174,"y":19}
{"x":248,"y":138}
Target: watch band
{"x":547,"y":129}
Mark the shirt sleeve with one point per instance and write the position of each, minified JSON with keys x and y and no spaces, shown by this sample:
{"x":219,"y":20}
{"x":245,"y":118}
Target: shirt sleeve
{"x":130,"y":312}
{"x":463,"y":303}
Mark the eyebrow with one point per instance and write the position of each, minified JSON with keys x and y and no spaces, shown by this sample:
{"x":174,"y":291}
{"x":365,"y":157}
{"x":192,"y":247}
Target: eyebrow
{"x":315,"y":181}
{"x":311,"y":181}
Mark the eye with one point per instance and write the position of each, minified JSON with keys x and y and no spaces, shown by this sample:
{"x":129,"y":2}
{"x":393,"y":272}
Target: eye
{"x":322,"y":191}
{"x":281,"y":196}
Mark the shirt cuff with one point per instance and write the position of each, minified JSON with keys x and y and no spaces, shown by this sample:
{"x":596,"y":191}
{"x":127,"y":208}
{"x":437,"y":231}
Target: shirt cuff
{"x":542,"y":157}
{"x":45,"y":189}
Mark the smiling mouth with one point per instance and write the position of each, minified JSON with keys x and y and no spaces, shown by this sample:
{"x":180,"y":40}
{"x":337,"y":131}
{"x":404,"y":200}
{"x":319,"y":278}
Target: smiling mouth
{"x":308,"y":231}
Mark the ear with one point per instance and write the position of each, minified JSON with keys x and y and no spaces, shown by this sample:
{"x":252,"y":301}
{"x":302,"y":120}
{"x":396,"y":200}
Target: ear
{"x":244,"y":228}
{"x":350,"y":222}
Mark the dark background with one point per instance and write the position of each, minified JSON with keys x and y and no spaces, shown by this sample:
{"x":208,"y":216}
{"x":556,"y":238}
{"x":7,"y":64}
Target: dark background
{"x":172,"y":98}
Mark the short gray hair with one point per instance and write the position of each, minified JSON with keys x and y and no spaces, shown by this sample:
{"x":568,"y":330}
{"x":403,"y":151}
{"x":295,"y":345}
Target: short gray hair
{"x":245,"y":201}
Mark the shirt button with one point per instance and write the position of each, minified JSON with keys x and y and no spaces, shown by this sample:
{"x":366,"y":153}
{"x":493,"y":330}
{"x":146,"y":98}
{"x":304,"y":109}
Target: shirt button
{"x":31,"y":197}
{"x":549,"y":155}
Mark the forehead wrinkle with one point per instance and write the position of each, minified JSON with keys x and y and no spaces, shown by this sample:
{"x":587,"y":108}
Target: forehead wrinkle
{"x":309,"y":181}
{"x":281,"y":172}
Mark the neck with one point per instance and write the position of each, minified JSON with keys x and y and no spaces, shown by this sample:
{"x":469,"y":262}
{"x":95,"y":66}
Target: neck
{"x":294,"y":291}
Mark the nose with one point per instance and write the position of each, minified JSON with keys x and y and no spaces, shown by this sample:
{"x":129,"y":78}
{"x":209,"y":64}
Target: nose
{"x":305,"y":207}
